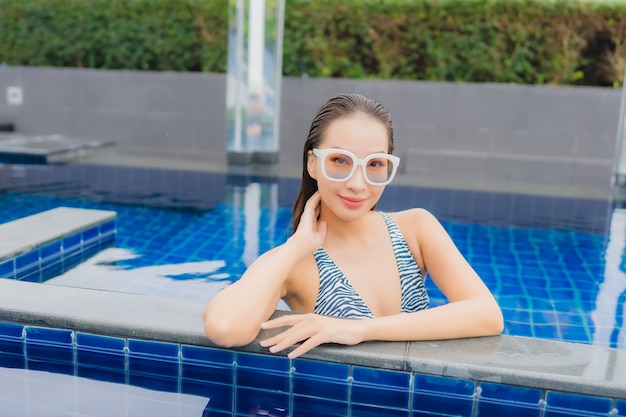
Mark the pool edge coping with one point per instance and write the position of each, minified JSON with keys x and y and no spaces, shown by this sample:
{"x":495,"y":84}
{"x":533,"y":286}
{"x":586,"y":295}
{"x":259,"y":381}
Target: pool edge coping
{"x":512,"y":360}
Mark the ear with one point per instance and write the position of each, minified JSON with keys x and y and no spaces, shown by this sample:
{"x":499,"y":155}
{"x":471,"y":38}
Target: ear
{"x":311,"y":165}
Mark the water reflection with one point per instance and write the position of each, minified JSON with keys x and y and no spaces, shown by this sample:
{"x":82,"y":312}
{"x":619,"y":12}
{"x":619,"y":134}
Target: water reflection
{"x":236,"y":236}
{"x":610,"y":306}
{"x":26,"y":392}
{"x":610,"y":302}
{"x":189,"y":280}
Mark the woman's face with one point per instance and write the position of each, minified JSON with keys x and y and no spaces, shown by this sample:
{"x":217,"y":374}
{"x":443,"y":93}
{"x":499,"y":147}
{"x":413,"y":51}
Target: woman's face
{"x":362,"y":135}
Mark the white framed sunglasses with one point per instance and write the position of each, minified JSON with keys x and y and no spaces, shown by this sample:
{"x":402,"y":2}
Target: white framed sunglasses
{"x":339,"y":165}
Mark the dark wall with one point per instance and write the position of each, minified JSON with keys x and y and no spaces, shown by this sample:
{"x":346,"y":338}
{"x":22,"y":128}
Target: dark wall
{"x":478,"y":133}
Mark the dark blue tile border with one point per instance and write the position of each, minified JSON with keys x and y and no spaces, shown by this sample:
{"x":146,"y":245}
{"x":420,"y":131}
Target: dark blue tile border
{"x":240,"y":382}
{"x":437,"y":395}
{"x":518,"y":401}
{"x":321,"y":379}
{"x":44,"y":344}
{"x":204,"y":364}
{"x":380,"y":387}
{"x":560,"y":404}
{"x":7,"y":268}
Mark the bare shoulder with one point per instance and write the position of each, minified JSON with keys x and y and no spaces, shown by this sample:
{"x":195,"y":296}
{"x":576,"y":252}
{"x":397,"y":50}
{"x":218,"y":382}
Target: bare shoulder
{"x":414,"y":219}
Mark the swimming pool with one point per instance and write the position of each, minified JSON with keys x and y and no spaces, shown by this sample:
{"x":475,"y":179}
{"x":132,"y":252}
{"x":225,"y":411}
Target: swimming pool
{"x":552,"y":263}
{"x":545,"y":258}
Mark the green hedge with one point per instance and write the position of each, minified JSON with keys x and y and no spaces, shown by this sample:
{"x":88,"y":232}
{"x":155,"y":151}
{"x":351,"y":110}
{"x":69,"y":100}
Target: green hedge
{"x":178,"y":35}
{"x":507,"y":41}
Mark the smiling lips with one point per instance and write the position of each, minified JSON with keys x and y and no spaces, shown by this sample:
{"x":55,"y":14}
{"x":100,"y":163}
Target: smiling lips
{"x":352,"y":202}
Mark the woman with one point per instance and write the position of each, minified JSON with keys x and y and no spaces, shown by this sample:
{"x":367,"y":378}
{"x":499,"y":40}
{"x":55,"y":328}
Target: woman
{"x":357,"y":273}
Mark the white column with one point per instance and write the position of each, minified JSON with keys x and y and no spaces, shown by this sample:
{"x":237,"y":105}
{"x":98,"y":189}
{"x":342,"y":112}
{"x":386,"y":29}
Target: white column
{"x":253,"y":80}
{"x":619,"y":164}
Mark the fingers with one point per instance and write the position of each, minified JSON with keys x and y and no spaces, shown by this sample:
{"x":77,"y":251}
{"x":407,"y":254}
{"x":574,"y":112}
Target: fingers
{"x":286,"y":320}
{"x":302,"y":329}
{"x":303,"y":348}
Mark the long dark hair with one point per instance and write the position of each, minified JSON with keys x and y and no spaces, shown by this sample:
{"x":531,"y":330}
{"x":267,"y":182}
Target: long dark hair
{"x":340,"y":106}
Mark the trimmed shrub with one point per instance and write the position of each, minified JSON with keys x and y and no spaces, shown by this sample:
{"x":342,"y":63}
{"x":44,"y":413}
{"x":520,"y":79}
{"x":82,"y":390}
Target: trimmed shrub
{"x":507,"y":41}
{"x":176,"y":35}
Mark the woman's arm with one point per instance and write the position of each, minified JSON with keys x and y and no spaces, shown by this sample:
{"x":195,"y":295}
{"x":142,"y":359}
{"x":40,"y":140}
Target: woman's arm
{"x":472,"y":311}
{"x":234,"y":316}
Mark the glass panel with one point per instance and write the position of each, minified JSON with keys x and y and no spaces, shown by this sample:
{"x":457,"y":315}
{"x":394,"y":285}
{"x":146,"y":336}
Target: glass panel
{"x":253,"y":81}
{"x":619,"y":169}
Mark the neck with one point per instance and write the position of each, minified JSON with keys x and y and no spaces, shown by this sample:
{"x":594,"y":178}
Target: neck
{"x":340,"y":228}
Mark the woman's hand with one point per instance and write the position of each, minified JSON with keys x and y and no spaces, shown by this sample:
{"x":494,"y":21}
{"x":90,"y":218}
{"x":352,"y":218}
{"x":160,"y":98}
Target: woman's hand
{"x":311,"y":231}
{"x":312,"y":330}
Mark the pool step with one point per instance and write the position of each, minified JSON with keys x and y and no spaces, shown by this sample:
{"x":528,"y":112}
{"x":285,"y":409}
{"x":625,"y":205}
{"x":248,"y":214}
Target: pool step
{"x":41,"y":246}
{"x":19,"y":148}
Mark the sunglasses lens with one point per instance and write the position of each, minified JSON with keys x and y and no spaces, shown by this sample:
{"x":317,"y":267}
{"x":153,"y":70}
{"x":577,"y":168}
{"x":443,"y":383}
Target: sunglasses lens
{"x":338,"y":165}
{"x":379,"y":170}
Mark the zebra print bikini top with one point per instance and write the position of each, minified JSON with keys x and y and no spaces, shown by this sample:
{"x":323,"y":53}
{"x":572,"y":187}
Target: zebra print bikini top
{"x":338,"y":298}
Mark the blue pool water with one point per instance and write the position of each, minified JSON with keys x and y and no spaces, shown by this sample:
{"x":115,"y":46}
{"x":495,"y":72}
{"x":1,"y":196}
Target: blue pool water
{"x":555,"y":265}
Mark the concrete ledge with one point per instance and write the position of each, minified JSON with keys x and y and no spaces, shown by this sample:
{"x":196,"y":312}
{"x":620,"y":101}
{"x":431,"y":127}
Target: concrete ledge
{"x":519,"y":361}
{"x":28,"y":233}
{"x":44,"y":149}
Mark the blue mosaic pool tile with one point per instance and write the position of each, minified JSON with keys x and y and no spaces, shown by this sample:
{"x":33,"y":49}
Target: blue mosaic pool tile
{"x":546,"y":331}
{"x":90,"y":235}
{"x":262,"y":371}
{"x":544,"y":317}
{"x":11,"y":345}
{"x":27,"y":266}
{"x":50,"y":350}
{"x":107,"y":228}
{"x":380,"y":387}
{"x":560,"y":404}
{"x":500,"y":399}
{"x":147,"y":359}
{"x":314,"y":407}
{"x":100,"y":351}
{"x":254,"y":401}
{"x":156,"y":358}
{"x":515,"y":315}
{"x":65,"y":368}
{"x":51,"y":251}
{"x":51,"y":269}
{"x":221,"y":395}
{"x":101,"y":374}
{"x":620,"y":407}
{"x":89,"y":250}
{"x":27,"y":260}
{"x":575,"y":334}
{"x":31,"y":275}
{"x":321,"y":379}
{"x":209,"y":412}
{"x":71,"y":243}
{"x":7,"y":268}
{"x":54,"y":345}
{"x":153,"y":382}
{"x":11,"y":338}
{"x":362,"y":410}
{"x":207,"y":364}
{"x":437,"y":395}
{"x":107,"y":241}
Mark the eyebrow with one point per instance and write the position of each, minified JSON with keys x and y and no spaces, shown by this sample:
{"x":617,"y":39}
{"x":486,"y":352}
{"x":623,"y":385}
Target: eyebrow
{"x":344,"y":149}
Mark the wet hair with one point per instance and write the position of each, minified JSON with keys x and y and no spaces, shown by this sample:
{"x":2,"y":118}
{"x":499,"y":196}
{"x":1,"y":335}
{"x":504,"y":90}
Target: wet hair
{"x":343,"y":105}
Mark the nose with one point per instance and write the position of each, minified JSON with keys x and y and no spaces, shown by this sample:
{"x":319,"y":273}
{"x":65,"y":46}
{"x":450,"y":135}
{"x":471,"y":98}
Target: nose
{"x":357,"y":180}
